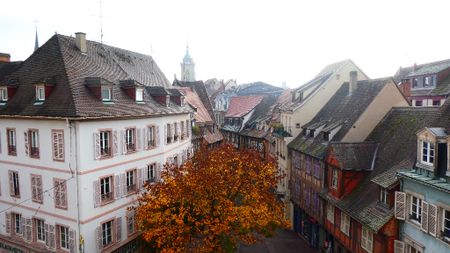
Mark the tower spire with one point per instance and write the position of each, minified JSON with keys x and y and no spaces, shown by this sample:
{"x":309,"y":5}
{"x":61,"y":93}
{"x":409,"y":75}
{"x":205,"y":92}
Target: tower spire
{"x":36,"y":41}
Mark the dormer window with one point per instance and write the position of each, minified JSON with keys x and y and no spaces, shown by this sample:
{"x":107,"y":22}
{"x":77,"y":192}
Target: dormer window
{"x":384,"y":196}
{"x":139,"y":94}
{"x":182,"y":100}
{"x":40,"y":93}
{"x":106,"y":93}
{"x":3,"y":94}
{"x":427,"y":152}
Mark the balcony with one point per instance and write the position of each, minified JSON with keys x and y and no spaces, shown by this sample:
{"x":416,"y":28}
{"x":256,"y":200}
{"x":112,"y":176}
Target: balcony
{"x":34,"y":152}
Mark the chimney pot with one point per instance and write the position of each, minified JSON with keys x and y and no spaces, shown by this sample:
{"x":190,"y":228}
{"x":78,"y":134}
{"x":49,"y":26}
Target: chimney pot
{"x":352,"y":82}
{"x":5,"y":57}
{"x":80,"y":41}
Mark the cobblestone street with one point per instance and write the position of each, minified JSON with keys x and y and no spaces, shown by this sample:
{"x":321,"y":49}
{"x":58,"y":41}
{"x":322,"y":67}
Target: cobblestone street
{"x":283,"y":242}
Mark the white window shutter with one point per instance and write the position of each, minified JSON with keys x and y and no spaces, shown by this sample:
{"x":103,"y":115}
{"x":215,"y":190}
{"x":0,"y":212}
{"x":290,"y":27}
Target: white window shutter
{"x":424,"y":219}
{"x":123,"y":141}
{"x":119,"y":229}
{"x":117,"y":188}
{"x":158,"y":171}
{"x":11,"y":184}
{"x":96,"y":191}
{"x":97,"y":154}
{"x":145,"y":129}
{"x":47,"y":241}
{"x":140,"y":178}
{"x":172,"y":131}
{"x":138,"y":139}
{"x":22,"y":226}
{"x":98,"y":235}
{"x":39,"y":190}
{"x":432,"y":219}
{"x":400,"y":205}
{"x":27,"y":147}
{"x":115,"y":143}
{"x":52,"y":238}
{"x":165,"y":134}
{"x":33,"y":188}
{"x":123,"y":185}
{"x":72,"y":244}
{"x":178,"y":131}
{"x":399,"y":246}
{"x":8,"y":222}
{"x":28,"y":230}
{"x":189,"y":128}
{"x":156,"y":135}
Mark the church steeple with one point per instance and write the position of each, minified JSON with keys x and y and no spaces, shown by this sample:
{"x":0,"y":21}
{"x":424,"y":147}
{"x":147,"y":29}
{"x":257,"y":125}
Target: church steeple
{"x":36,"y":42}
{"x":187,"y":67}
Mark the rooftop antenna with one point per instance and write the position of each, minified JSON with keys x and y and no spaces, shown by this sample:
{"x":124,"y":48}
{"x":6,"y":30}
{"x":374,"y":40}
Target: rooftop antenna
{"x":101,"y":23}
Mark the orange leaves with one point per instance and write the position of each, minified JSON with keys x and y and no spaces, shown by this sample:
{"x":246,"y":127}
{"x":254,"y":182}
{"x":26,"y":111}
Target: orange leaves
{"x":218,"y":198}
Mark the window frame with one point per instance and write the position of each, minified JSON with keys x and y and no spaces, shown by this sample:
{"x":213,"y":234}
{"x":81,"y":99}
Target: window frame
{"x":130,"y":139}
{"x":428,"y":150}
{"x":15,"y":184}
{"x":334,"y":178}
{"x":40,"y":93}
{"x":111,"y":235}
{"x":131,"y":188}
{"x":140,"y":92}
{"x":39,"y":190}
{"x":330,"y":213}
{"x":12,"y":149}
{"x":109,"y":196}
{"x":445,"y":235}
{"x":169,"y":133}
{"x":366,"y":239}
{"x":58,"y":184}
{"x":415,"y":215}
{"x":105,"y":152}
{"x":58,"y":154}
{"x":106,"y":88}
{"x":3,"y":94}
{"x":151,"y":167}
{"x":345,"y":223}
{"x":33,"y":137}
{"x":40,"y":230}
{"x":15,"y":227}
{"x":151,"y":136}
{"x":60,"y":228}
{"x":384,"y":196}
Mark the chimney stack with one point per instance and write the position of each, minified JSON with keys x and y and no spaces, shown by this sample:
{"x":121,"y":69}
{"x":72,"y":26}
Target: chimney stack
{"x":5,"y":57}
{"x":80,"y":41}
{"x":352,"y":82}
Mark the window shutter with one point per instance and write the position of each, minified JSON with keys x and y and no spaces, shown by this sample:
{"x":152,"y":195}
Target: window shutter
{"x":158,"y":171}
{"x":178,"y":131}
{"x":33,"y":188}
{"x":8,"y":222}
{"x":28,"y":229}
{"x":22,"y":226}
{"x":57,"y":193}
{"x":27,"y":149}
{"x":39,"y":188}
{"x":118,"y":229}
{"x":96,"y":191}
{"x":172,"y":131}
{"x":424,"y":219}
{"x":189,"y":128}
{"x":146,"y":136}
{"x":51,"y":232}
{"x":140,"y":178}
{"x":165,"y":134}
{"x":61,"y":145}
{"x":156,"y":136}
{"x":11,"y":184}
{"x":124,"y":141}
{"x":55,"y":144}
{"x":400,"y":205}
{"x":432,"y":219}
{"x":144,"y":175}
{"x":115,"y":143}
{"x":47,"y":241}
{"x":123,"y":184}
{"x":97,"y":146}
{"x":117,"y":187}
{"x":98,"y":234}
{"x":129,"y":222}
{"x":399,"y":246}
{"x":72,"y":241}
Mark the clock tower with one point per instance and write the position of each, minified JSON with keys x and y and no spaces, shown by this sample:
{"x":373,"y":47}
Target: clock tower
{"x":187,"y":68}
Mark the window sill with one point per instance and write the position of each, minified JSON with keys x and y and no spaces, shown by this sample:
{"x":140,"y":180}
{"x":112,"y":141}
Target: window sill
{"x":130,"y":152}
{"x":15,"y":196}
{"x":12,"y":154}
{"x":38,"y":103}
{"x":34,"y":156}
{"x":106,"y":202}
{"x":61,"y":207}
{"x":105,"y":157}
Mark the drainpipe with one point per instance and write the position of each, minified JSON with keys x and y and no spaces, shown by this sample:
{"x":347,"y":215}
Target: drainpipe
{"x":74,"y":170}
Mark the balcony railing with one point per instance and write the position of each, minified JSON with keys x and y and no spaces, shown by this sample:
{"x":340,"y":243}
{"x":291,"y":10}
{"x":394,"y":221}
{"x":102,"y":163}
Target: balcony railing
{"x":131,"y":147}
{"x":131,"y":188}
{"x":34,"y":151}
{"x":11,"y":149}
{"x":107,"y":196}
{"x":106,"y":151}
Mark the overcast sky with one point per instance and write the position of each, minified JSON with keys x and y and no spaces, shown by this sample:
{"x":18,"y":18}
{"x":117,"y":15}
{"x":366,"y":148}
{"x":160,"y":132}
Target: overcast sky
{"x":270,"y":41}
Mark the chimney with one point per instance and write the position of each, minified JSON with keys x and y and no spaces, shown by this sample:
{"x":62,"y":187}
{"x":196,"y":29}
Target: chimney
{"x":352,"y":82}
{"x":80,"y":41}
{"x":5,"y":57}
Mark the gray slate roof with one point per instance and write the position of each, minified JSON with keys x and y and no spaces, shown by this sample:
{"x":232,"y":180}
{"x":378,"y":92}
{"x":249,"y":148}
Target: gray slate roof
{"x":60,"y":59}
{"x":422,"y":69}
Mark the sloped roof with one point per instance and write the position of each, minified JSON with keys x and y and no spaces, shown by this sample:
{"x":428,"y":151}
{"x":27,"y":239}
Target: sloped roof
{"x":214,"y":137}
{"x":201,"y":115}
{"x":396,"y":136}
{"x":241,"y":106}
{"x":389,"y":178}
{"x":354,"y":156}
{"x":340,"y":108}
{"x":60,"y":59}
{"x":422,"y":69}
{"x":258,"y":88}
{"x":200,"y":89}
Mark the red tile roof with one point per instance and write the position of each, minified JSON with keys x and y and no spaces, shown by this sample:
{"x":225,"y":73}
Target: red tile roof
{"x":201,"y":115}
{"x":240,"y":106}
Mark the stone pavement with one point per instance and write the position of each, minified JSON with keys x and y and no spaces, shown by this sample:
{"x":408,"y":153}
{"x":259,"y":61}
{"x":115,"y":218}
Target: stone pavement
{"x":284,"y":241}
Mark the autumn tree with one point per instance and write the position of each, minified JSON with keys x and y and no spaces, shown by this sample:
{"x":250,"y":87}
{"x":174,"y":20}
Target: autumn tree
{"x":216,"y":199}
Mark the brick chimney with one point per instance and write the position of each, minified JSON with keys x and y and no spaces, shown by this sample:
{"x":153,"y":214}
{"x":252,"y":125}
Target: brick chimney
{"x":80,"y":41}
{"x":353,"y":80}
{"x":5,"y":57}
